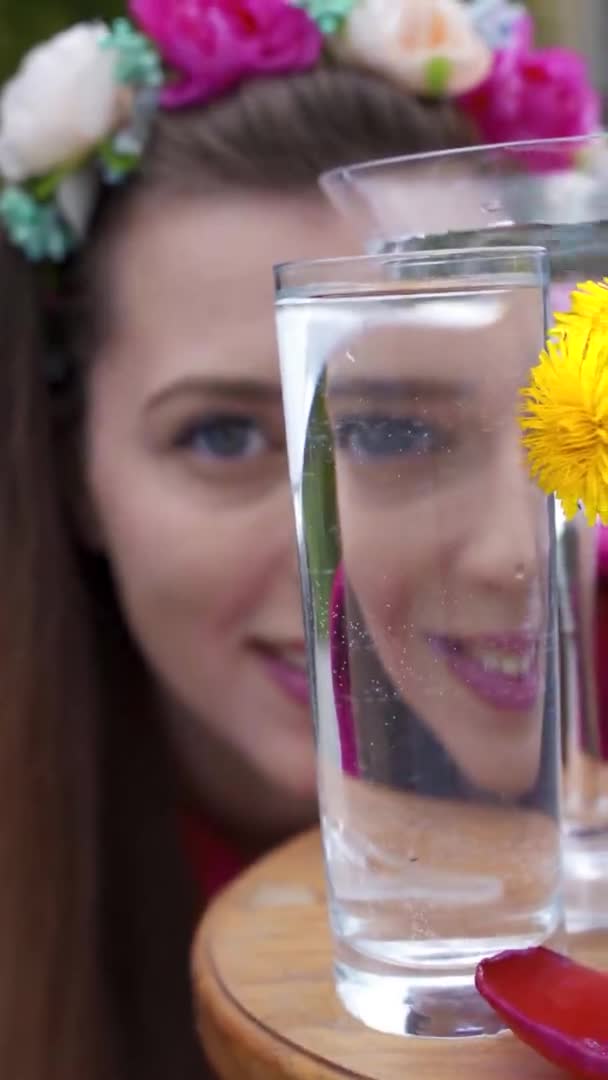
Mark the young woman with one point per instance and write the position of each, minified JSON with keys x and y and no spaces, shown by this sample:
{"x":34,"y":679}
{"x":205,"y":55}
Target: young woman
{"x":155,"y":725}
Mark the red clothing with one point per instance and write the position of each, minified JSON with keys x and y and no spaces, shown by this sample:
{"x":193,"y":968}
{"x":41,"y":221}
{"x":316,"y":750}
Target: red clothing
{"x":215,"y":859}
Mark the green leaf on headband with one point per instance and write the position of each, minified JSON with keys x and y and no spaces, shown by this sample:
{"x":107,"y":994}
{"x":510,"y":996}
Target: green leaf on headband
{"x":36,"y":228}
{"x":116,"y":165}
{"x":329,"y":15}
{"x":437,"y":76}
{"x":43,"y":188}
{"x":138,"y":62}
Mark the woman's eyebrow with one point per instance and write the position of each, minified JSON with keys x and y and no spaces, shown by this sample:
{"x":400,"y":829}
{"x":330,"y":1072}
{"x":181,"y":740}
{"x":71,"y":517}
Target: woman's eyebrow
{"x":388,"y":389}
{"x":257,"y":390}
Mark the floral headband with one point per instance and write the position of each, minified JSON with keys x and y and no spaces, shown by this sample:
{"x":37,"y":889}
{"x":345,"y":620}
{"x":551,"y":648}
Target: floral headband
{"x":78,"y":111}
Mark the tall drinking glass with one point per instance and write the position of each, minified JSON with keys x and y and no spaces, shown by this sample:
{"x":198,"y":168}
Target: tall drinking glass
{"x":428,"y":565}
{"x":553,"y":193}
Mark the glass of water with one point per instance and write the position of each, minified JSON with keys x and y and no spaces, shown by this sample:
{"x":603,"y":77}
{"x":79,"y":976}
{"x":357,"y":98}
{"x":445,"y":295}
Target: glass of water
{"x":554,"y":193}
{"x":427,"y":559}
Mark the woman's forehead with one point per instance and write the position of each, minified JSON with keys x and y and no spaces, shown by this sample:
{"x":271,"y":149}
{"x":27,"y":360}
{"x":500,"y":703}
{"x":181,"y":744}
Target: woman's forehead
{"x":192,"y":284}
{"x":220,"y":242}
{"x":193,"y":279}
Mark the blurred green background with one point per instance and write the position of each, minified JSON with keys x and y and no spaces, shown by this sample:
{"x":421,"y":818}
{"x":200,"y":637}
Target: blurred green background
{"x":23,"y":22}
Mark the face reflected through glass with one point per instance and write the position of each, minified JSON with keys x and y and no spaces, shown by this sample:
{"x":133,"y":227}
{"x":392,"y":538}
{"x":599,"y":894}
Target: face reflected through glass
{"x":444,"y":535}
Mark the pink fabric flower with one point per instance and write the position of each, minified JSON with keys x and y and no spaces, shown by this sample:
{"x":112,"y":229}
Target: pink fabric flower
{"x":535,"y":94}
{"x":214,"y":44}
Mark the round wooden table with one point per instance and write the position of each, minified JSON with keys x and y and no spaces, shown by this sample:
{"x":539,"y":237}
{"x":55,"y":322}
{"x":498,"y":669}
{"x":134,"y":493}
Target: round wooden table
{"x":266,"y":1006}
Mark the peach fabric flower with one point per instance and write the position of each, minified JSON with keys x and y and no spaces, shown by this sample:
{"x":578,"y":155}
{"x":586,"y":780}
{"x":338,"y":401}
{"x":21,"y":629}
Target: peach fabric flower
{"x":429,"y":47}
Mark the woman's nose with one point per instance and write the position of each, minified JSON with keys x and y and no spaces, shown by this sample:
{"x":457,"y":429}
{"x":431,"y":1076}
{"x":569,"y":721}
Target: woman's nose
{"x":504,"y":533}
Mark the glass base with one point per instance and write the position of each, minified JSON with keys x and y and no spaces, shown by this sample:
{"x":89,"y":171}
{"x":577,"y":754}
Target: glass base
{"x":425,"y":1006}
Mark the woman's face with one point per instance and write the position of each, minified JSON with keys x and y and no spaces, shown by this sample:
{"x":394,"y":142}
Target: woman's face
{"x":445,"y":537}
{"x":187,"y":475}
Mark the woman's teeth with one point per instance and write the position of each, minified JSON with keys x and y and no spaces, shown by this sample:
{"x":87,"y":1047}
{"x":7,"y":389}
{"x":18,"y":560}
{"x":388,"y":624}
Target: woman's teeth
{"x":514,"y":664}
{"x":508,"y":665}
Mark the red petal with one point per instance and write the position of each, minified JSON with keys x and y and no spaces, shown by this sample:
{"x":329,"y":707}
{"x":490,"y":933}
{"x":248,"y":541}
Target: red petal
{"x":556,"y":1006}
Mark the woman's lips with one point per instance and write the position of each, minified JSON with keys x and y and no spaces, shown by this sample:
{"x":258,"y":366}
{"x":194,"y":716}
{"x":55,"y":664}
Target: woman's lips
{"x":287,"y":668}
{"x":503,"y":670}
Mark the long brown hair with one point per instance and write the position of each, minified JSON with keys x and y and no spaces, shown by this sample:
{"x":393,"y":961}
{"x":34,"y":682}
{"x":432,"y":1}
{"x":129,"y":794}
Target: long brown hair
{"x":94,"y":906}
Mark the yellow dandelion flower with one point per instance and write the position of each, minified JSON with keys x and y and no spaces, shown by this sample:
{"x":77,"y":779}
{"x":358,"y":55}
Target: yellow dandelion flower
{"x":589,"y":303}
{"x":565,"y":418}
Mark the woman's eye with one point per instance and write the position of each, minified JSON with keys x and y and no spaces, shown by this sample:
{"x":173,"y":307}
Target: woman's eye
{"x":378,"y":437}
{"x":225,"y":437}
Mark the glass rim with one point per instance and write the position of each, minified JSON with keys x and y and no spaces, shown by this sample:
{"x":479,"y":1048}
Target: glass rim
{"x":358,"y":168}
{"x":535,"y":252}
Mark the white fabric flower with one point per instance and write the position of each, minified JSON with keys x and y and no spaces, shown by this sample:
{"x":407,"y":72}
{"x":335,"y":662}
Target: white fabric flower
{"x":62,"y":101}
{"x":426,"y":46}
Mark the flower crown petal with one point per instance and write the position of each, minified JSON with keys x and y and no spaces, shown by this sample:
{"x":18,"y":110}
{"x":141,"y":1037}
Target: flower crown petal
{"x":37,"y":229}
{"x":138,"y":61}
{"x":329,"y":15}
